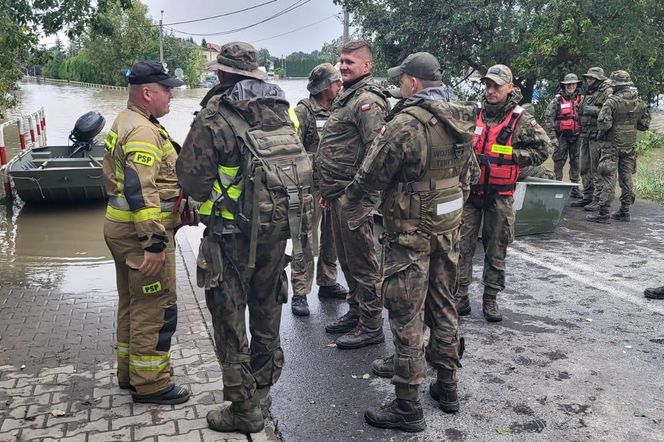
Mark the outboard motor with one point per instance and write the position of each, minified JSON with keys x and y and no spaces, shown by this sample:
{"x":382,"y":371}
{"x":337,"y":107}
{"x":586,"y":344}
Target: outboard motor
{"x":85,"y":130}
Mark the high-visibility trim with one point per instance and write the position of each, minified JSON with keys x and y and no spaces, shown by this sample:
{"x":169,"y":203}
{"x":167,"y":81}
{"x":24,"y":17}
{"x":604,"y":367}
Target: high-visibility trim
{"x":168,"y":149}
{"x":143,"y":150}
{"x":294,"y":119}
{"x":149,"y":363}
{"x":120,"y":202}
{"x":110,"y":142}
{"x":501,"y":149}
{"x":148,"y":214}
{"x":122,"y":349}
{"x":225,"y":177}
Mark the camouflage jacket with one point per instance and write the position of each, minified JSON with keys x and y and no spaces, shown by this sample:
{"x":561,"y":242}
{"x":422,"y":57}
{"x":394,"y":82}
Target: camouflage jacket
{"x":356,"y":117}
{"x":551,"y":113}
{"x":622,"y":114}
{"x":530,"y":143}
{"x":139,"y":176}
{"x":590,"y":106}
{"x":312,"y":117}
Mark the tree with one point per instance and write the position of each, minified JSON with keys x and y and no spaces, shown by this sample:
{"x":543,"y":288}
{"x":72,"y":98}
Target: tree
{"x":540,"y":40}
{"x":264,"y":57}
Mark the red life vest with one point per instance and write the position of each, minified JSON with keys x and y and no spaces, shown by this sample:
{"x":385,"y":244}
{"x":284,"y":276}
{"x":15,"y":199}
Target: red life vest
{"x":567,"y":120}
{"x":493,"y":146}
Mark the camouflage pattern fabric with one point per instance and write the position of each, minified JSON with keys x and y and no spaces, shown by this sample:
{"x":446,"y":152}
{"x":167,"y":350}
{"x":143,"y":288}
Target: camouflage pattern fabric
{"x":565,"y":146}
{"x":308,"y":111}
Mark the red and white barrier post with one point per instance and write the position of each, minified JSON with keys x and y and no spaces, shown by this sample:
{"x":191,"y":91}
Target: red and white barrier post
{"x":3,"y":162}
{"x":21,"y":133}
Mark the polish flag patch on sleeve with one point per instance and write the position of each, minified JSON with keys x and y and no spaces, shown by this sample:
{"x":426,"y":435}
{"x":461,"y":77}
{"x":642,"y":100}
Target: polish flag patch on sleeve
{"x":382,"y":130}
{"x":365,"y":107}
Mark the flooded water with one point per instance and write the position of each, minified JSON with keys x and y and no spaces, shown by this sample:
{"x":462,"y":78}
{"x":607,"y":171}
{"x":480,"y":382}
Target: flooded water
{"x":63,"y":247}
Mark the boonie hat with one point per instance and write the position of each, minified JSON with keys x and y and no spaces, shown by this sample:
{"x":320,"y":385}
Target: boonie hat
{"x":421,"y":65}
{"x":147,"y":71}
{"x":570,"y":79}
{"x":238,"y":57}
{"x":596,"y":73}
{"x":499,"y":73}
{"x":321,"y":77}
{"x":621,"y":78}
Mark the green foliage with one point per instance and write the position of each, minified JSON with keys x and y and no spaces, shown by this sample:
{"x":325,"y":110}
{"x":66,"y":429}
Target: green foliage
{"x":648,"y":141}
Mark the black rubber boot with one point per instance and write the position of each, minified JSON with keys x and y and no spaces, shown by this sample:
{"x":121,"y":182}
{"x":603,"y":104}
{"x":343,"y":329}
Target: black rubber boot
{"x":490,"y":308}
{"x":444,"y":390}
{"x":592,"y":207}
{"x":241,"y":417}
{"x":398,"y":414}
{"x":299,"y":306}
{"x":621,"y":215}
{"x":336,"y":291}
{"x":462,"y":305}
{"x":360,"y":336}
{"x":344,"y":324}
{"x":654,"y":293}
{"x":383,"y":367}
{"x":176,"y":394}
{"x":581,"y":203}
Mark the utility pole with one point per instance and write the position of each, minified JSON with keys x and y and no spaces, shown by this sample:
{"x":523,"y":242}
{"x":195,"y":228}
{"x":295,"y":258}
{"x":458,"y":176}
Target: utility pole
{"x":346,"y":19}
{"x":161,"y":38}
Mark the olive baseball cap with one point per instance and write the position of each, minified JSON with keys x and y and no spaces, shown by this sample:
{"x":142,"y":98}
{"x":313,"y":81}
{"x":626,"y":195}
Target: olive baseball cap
{"x":421,"y":65}
{"x":570,"y":79}
{"x":240,"y":58}
{"x":499,"y":73}
{"x":620,"y":78}
{"x":321,"y":78}
{"x":147,"y":71}
{"x":596,"y":73}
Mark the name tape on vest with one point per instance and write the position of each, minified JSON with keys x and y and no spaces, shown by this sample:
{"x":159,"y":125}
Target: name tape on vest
{"x":501,"y":149}
{"x":320,"y":124}
{"x":449,"y":207}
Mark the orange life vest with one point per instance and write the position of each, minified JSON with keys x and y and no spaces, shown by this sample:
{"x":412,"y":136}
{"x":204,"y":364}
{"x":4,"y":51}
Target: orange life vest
{"x":567,"y":120}
{"x":493,"y":146}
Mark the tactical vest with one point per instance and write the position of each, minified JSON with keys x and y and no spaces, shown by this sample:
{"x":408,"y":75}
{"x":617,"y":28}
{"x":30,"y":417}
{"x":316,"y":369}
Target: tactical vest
{"x":268,"y":196}
{"x":623,"y":131}
{"x":493,"y":146}
{"x":567,"y":120}
{"x":434,"y":203}
{"x":321,"y":117}
{"x":592,"y":103}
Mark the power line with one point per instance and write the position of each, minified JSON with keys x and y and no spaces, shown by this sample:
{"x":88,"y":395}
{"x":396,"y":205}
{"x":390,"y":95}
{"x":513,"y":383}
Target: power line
{"x":297,"y":29}
{"x":286,"y":10}
{"x":220,"y":15}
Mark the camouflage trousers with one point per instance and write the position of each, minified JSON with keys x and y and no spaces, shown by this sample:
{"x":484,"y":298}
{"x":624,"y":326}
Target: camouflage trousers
{"x":419,"y":284}
{"x":617,"y":164}
{"x":264,"y":289}
{"x":540,"y":171}
{"x":589,"y":152}
{"x":567,"y":147}
{"x":497,"y":233}
{"x":302,"y":268}
{"x":352,"y":226}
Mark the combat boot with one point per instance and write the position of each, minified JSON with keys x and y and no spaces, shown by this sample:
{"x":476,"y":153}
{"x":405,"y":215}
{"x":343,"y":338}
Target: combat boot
{"x":299,"y":306}
{"x":490,"y":308}
{"x":462,"y":305}
{"x":580,"y":203}
{"x":621,"y":215}
{"x":336,"y":291}
{"x":345,"y":323}
{"x":360,"y":336}
{"x":601,"y":217}
{"x":264,"y":399}
{"x":398,"y":414}
{"x":241,"y":417}
{"x":444,"y":390}
{"x":592,"y":207}
{"x":383,"y":367}
{"x":576,"y":193}
{"x":654,"y":293}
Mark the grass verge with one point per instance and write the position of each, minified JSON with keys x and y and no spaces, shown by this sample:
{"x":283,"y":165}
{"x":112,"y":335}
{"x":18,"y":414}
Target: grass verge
{"x":649,"y":178}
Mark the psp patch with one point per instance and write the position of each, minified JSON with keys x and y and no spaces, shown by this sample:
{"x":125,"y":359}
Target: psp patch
{"x":143,"y":158}
{"x":151,"y":289}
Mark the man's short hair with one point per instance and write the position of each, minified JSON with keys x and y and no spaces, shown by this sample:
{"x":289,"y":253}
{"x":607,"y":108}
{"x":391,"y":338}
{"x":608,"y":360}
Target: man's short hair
{"x":356,"y":45}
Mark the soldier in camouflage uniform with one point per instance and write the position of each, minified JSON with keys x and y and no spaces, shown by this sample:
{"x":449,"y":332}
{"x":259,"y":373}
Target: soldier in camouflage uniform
{"x":312,"y":113}
{"x":540,"y":171}
{"x":355,"y":119}
{"x":140,"y":181}
{"x":210,"y":152}
{"x":622,"y":114}
{"x":596,"y":93}
{"x":505,"y":139}
{"x":562,"y":125}
{"x":418,"y":159}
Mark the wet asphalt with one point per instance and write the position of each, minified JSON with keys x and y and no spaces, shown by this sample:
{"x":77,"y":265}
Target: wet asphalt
{"x":578,"y":356}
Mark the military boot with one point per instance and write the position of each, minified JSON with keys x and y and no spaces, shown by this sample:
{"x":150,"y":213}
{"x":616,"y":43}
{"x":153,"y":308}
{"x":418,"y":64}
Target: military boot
{"x":621,"y":215}
{"x":592,"y":207}
{"x":360,"y":336}
{"x":383,"y":367}
{"x":398,"y":414}
{"x":264,"y":399}
{"x":581,"y":203}
{"x":173,"y":395}
{"x":462,"y":305}
{"x":654,"y":293}
{"x":601,"y":217}
{"x":490,"y":308}
{"x":241,"y":417}
{"x":299,"y":306}
{"x":345,"y":323}
{"x":444,"y":390}
{"x":336,"y":291}
{"x":576,"y":193}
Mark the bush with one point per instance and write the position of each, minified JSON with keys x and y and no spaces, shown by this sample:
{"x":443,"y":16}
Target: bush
{"x":648,"y":141}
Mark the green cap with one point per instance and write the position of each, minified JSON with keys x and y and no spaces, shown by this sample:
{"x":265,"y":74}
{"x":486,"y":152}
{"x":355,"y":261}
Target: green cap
{"x":595,"y":72}
{"x":621,"y":78}
{"x":499,"y":73}
{"x":321,"y":77}
{"x":570,"y":79}
{"x":239,"y":58}
{"x":421,"y":65}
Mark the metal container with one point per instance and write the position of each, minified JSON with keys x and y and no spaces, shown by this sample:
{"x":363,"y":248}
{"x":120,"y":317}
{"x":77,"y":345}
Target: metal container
{"x":539,"y":204}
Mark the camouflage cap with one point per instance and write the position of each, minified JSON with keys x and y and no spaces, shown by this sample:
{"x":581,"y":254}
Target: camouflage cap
{"x":420,"y":65}
{"x":239,"y":58}
{"x":570,"y":79}
{"x":620,"y":78}
{"x":595,"y":72}
{"x":322,"y":77}
{"x":499,"y":73}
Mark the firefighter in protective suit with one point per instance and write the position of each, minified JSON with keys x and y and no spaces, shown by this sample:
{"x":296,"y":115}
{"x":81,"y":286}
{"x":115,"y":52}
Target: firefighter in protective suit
{"x":140,"y":181}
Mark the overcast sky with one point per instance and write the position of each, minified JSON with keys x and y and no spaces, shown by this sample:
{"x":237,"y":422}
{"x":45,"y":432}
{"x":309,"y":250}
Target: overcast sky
{"x":323,"y":16}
